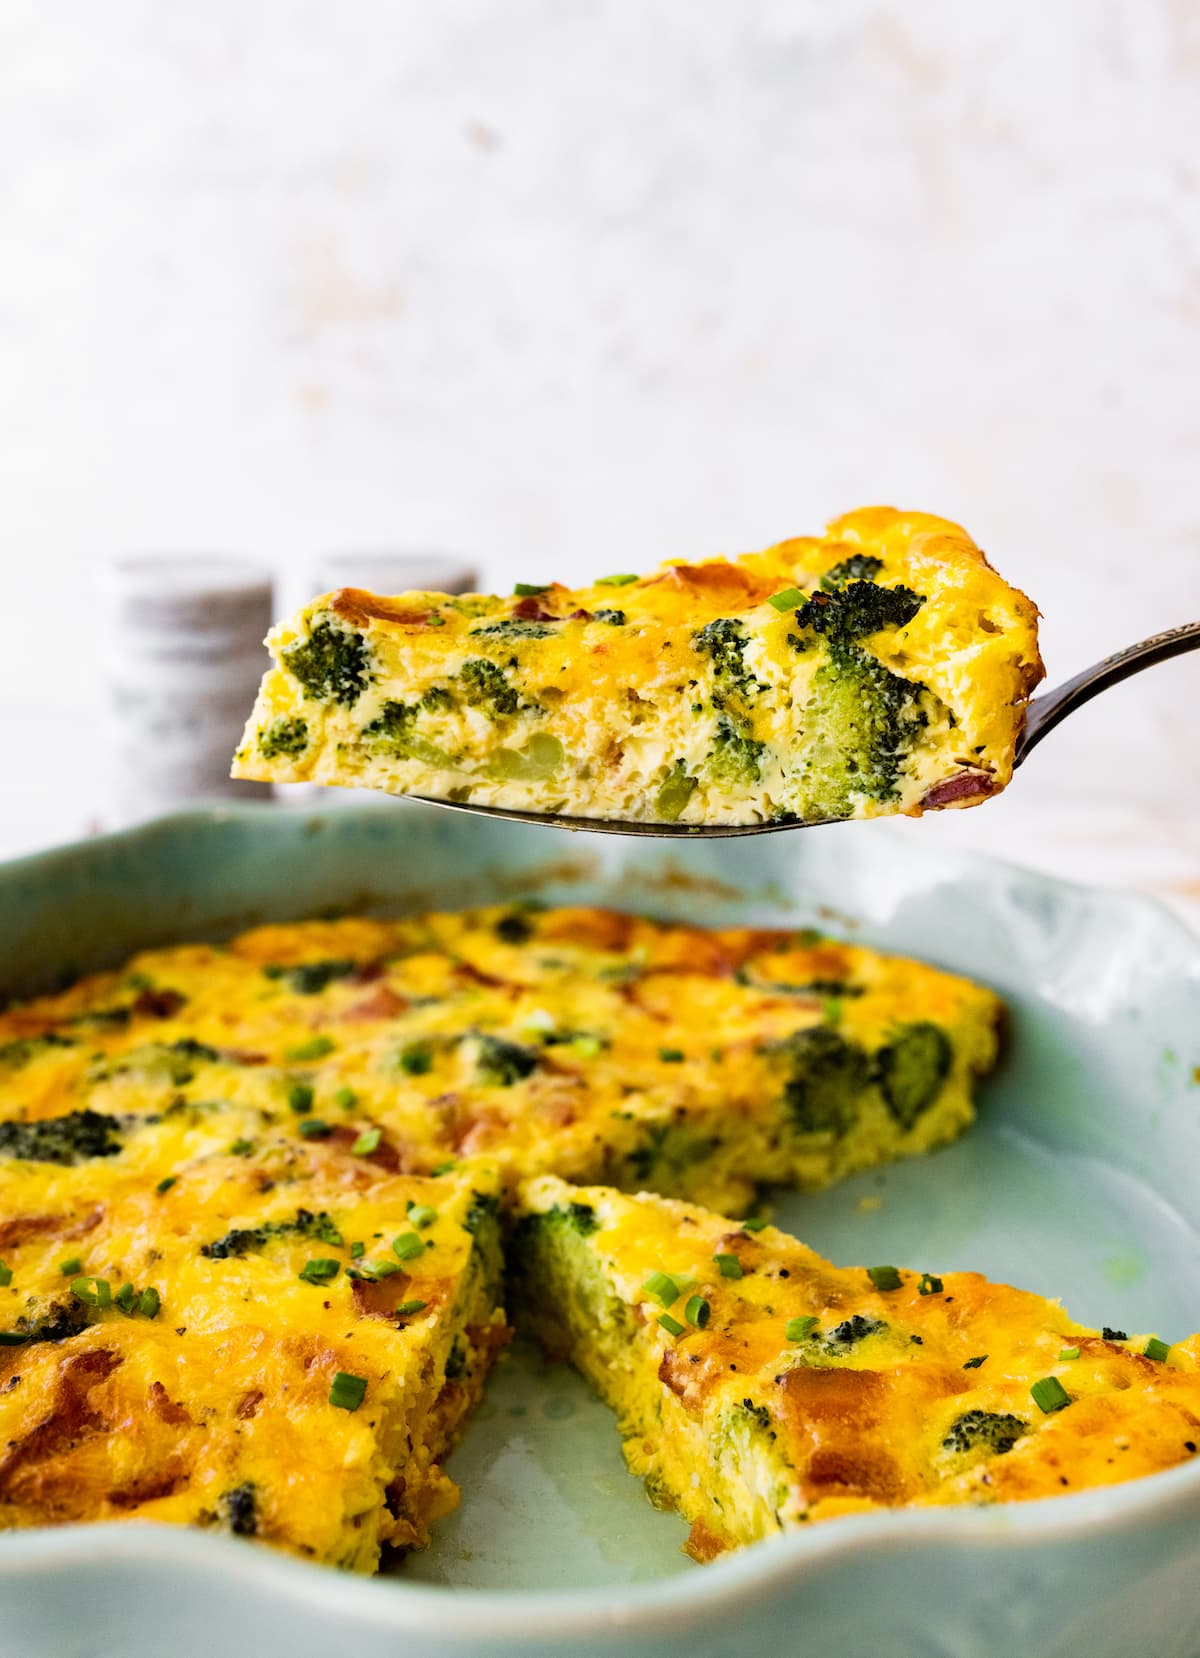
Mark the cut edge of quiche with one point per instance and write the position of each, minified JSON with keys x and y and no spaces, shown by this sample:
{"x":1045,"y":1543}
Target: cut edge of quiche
{"x":884,"y":667}
{"x":759,"y":1387}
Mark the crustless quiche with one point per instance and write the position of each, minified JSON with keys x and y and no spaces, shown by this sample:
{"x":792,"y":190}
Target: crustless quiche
{"x":881,"y":668}
{"x":758,"y":1387}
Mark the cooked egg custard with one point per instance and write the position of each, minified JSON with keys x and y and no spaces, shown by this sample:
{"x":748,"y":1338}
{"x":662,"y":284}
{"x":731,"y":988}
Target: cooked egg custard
{"x":582,"y":1042}
{"x":758,"y":1387}
{"x":209,"y":1319}
{"x":881,"y":668}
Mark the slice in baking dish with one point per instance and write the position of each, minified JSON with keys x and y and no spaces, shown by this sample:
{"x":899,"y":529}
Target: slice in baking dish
{"x":274,"y":1340}
{"x":758,"y":1387}
{"x":582,"y":1042}
{"x":883,"y":667}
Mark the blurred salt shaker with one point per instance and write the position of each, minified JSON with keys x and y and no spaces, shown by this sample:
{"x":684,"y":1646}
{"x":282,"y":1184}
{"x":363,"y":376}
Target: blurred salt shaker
{"x":183,"y":656}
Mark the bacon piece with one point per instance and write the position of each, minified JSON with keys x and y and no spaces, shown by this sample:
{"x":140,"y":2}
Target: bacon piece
{"x":249,"y":1403}
{"x":381,"y":1003}
{"x":960,"y":787}
{"x":158,"y":1004}
{"x":356,"y":606}
{"x":164,"y":1407}
{"x":23,"y":1227}
{"x":530,"y":610}
{"x":71,"y":1417}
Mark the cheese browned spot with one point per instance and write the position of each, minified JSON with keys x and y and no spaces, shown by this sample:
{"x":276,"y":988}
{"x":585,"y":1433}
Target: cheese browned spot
{"x":800,"y":1391}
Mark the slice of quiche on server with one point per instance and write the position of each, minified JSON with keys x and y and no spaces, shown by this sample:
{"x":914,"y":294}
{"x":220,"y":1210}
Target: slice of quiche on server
{"x":275,"y":1339}
{"x":759,"y":1387}
{"x":583,"y":1042}
{"x":883,"y":667}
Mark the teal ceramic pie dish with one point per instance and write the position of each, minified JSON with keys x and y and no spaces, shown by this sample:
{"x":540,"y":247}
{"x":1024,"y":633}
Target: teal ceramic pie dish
{"x":1080,"y":1180}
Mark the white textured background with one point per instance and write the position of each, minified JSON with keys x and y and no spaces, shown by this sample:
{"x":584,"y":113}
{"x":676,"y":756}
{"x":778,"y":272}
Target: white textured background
{"x":571,"y":285}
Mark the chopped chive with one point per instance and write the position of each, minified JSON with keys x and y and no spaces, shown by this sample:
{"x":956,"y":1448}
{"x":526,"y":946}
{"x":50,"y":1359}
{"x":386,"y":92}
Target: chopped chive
{"x":165,"y":1184}
{"x":408,"y":1246}
{"x":6,"y":1276}
{"x":407,"y":1307}
{"x":587,"y":1047}
{"x":357,"y":1251}
{"x":614,"y":581}
{"x":373,"y":1270}
{"x":1049,"y":1394}
{"x":754,"y":1225}
{"x":1155,"y":1349}
{"x":12,"y":1338}
{"x":797,"y":1328}
{"x":300,"y":1098}
{"x":421,"y":1215}
{"x":531,"y":589}
{"x":241,"y":1148}
{"x":347,"y":1392}
{"x":973,"y":1364}
{"x":435,"y":621}
{"x":367,"y":1142}
{"x":1068,"y":1353}
{"x":71,"y":1268}
{"x":790,"y":599}
{"x":345,"y":1099}
{"x":728,"y":1265}
{"x":1113,"y":1335}
{"x":93,"y":1292}
{"x":444,"y":1168}
{"x":313,"y":1128}
{"x":417,"y":1059}
{"x":671,"y":1325}
{"x":929,"y":1284}
{"x":885,"y":1278}
{"x":697,"y":1312}
{"x":149,"y":1302}
{"x":671,"y":1056}
{"x":320,"y":1271}
{"x":126,"y":1299}
{"x":315,"y":1048}
{"x":662,"y":1288}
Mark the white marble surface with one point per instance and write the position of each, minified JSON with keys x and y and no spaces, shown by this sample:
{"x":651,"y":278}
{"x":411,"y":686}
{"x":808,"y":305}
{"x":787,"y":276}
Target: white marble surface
{"x":574,"y":283}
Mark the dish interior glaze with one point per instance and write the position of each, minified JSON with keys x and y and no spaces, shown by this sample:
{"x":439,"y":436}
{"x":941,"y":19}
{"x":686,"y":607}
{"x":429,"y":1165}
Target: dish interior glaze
{"x":1078,"y":1180}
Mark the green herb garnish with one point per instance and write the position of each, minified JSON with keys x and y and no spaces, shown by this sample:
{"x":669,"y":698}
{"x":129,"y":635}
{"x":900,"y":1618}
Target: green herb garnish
{"x":790,"y":599}
{"x":1049,"y":1394}
{"x":93,"y":1292}
{"x":671,"y":1056}
{"x":6,"y":1276}
{"x":345,"y":1099}
{"x":300,"y":1098}
{"x":315,"y":1048}
{"x":1068,"y":1353}
{"x":614,"y":581}
{"x":313,"y":1128}
{"x":885,"y":1278}
{"x":1155,"y":1349}
{"x":347,"y":1392}
{"x":71,"y":1268}
{"x":408,"y":1246}
{"x":973,"y":1364}
{"x":421,"y":1215}
{"x":322,"y":1270}
{"x":797,"y":1328}
{"x":531,"y":589}
{"x":728,"y":1265}
{"x":671,"y":1325}
{"x":165,"y":1184}
{"x":929,"y":1284}
{"x":697,"y":1312}
{"x":407,"y":1307}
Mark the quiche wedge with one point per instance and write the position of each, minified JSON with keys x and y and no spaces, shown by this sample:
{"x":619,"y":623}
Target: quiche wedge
{"x":588,"y":1043}
{"x":883,"y":667}
{"x":759,"y":1387}
{"x":273,"y":1339}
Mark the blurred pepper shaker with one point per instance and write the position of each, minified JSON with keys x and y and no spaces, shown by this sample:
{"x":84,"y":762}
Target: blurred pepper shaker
{"x":183,"y":655}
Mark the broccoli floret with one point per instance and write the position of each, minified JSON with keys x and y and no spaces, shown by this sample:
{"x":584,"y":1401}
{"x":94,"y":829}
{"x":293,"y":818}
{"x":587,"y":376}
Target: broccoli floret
{"x":486,"y":686}
{"x":827,"y":1073}
{"x":674,"y":792}
{"x":499,"y":1063}
{"x":437,"y":700}
{"x":393,"y":730}
{"x":858,"y":567}
{"x":512,"y":627}
{"x":724,"y":642}
{"x":849,"y":1333}
{"x":240,"y":1508}
{"x":173,"y":1062}
{"x":514,"y":929}
{"x":614,"y":618}
{"x":912,"y":1068}
{"x":248,"y":1240}
{"x":863,"y":719}
{"x":58,"y":1321}
{"x":665,"y":1152}
{"x":733,"y":761}
{"x":73,"y":1138}
{"x":862,"y":607}
{"x":331,"y":662}
{"x":485,"y":1207}
{"x":456,"y":1360}
{"x":15,"y":1054}
{"x":283,"y":737}
{"x":984,"y":1430}
{"x":758,"y":1414}
{"x":308,"y":978}
{"x":238,"y":1241}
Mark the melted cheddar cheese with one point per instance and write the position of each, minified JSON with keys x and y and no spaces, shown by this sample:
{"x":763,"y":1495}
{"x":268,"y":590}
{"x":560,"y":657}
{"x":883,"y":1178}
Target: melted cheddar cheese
{"x":759,"y":1387}
{"x":881,"y":668}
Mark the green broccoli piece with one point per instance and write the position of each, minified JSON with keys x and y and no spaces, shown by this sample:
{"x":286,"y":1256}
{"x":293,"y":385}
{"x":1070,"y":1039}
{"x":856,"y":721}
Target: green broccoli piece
{"x":912,"y":1068}
{"x":437,"y":700}
{"x":984,"y":1430}
{"x":674,"y":792}
{"x":515,"y":928}
{"x":499,"y":1063}
{"x":393,"y":730}
{"x":331,"y":662}
{"x":863,"y":719}
{"x":58,"y":1321}
{"x":240,"y":1507}
{"x":512,"y":627}
{"x":69,"y":1139}
{"x":858,"y":567}
{"x":483,"y":1211}
{"x":485,"y":685}
{"x":15,"y":1054}
{"x":614,"y":618}
{"x":724,"y":642}
{"x":827,"y":1073}
{"x":309,"y":978}
{"x":665,"y":1152}
{"x":862,"y":607}
{"x":758,"y":1414}
{"x":850,"y":1332}
{"x":283,"y":736}
{"x":733,"y":761}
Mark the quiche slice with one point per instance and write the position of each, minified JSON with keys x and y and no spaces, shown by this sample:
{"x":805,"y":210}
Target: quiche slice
{"x":278,"y":1342}
{"x":883,"y":667}
{"x":582,"y":1042}
{"x":759,"y":1387}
